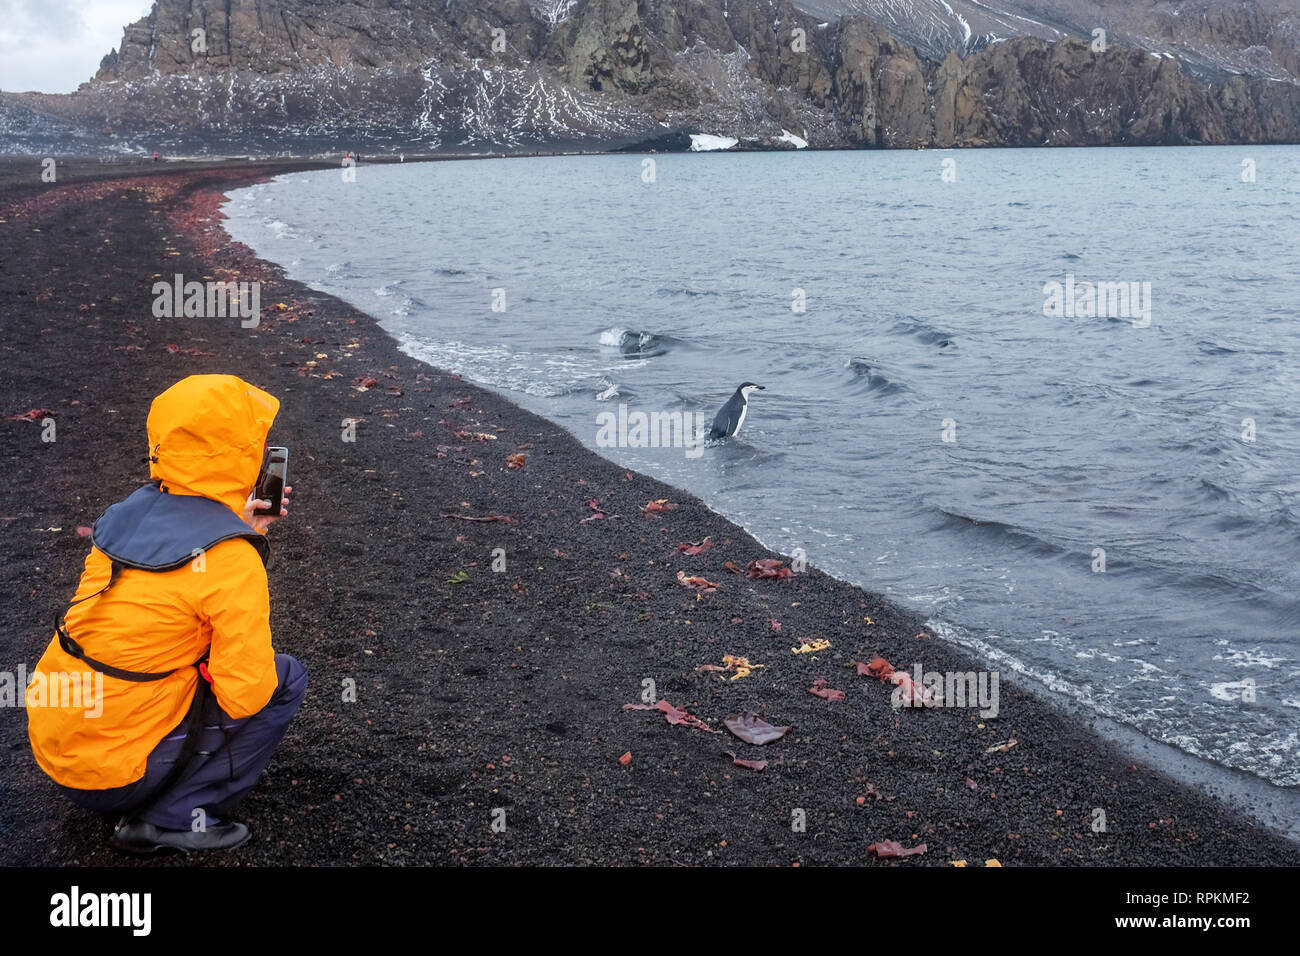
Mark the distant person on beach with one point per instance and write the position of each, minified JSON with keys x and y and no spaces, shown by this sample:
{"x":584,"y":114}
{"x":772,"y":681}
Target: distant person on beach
{"x":183,"y":699}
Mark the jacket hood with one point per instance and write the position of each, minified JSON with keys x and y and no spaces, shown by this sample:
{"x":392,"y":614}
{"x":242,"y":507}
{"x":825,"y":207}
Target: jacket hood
{"x":206,"y":437}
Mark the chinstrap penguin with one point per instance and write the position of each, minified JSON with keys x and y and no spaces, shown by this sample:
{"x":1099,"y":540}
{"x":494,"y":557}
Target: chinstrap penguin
{"x":732,"y":415}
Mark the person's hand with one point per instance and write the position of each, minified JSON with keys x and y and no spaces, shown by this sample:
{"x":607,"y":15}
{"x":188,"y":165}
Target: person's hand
{"x":262,"y":522}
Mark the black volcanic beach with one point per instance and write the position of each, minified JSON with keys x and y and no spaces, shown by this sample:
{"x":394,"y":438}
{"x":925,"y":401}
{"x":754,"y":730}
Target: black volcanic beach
{"x":478,"y":691}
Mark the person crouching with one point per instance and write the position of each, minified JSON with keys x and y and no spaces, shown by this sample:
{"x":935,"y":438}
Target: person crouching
{"x":173,"y":610}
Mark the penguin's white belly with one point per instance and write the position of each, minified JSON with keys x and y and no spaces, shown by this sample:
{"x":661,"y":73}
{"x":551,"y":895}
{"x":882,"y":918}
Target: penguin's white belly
{"x":741,"y":420}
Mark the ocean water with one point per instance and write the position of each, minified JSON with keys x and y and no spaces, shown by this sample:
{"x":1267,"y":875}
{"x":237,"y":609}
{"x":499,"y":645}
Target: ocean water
{"x":926,"y":431}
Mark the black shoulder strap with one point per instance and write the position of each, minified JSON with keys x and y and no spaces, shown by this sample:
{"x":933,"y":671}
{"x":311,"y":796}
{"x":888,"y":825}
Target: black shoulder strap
{"x":73,"y":648}
{"x":194,"y":716}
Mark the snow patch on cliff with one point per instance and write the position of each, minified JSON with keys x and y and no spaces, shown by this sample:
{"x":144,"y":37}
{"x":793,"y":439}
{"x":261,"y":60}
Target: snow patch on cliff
{"x":707,"y":142}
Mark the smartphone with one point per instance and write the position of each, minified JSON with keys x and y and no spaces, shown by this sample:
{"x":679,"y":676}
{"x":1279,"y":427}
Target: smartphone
{"x":271,"y":482}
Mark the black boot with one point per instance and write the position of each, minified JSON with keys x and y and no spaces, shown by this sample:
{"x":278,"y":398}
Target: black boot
{"x":145,"y":839}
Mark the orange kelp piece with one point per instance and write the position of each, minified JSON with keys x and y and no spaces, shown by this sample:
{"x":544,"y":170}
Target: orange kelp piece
{"x":759,"y":765}
{"x":887,"y":849}
{"x":807,"y":647}
{"x":879,"y":667}
{"x":698,"y":583}
{"x":698,"y":547}
{"x":820,"y":689}
{"x":674,"y":715}
{"x":768,"y":568}
{"x":741,"y":665}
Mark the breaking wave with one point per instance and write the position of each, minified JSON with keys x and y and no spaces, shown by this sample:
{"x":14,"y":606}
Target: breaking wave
{"x":633,"y":342}
{"x":871,"y":377}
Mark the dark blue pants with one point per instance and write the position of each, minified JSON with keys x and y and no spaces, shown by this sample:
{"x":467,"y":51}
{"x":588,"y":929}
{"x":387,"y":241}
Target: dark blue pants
{"x":231,"y":756}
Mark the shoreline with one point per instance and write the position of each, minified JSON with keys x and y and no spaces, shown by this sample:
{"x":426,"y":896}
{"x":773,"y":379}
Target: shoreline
{"x":508,"y":689}
{"x":1274,"y":804}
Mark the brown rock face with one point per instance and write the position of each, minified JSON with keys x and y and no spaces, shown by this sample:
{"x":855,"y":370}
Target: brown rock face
{"x":880,"y":88}
{"x":961,"y":115}
{"x":1030,"y":93}
{"x":1212,"y":39}
{"x":609,"y":49}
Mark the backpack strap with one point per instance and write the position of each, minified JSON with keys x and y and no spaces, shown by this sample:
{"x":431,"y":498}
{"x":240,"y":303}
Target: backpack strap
{"x":152,"y":530}
{"x":74,"y":649}
{"x":193,"y":729}
{"x":193,"y":722}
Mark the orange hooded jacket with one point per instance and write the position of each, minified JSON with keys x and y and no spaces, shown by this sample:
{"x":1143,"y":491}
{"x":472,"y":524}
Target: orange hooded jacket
{"x":206,"y":437}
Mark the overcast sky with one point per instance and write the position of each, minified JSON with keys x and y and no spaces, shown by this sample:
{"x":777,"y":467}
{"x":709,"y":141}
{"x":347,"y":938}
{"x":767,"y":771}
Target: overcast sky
{"x":56,"y":45}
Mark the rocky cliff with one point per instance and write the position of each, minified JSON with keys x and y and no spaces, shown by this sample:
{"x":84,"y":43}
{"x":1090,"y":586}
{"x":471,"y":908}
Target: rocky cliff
{"x":241,"y":76}
{"x":1211,"y":39}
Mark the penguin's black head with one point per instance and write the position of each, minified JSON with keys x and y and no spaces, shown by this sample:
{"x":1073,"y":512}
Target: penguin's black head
{"x":745,"y":385}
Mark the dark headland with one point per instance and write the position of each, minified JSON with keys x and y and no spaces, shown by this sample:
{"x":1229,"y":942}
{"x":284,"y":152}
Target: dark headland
{"x":475,"y":690}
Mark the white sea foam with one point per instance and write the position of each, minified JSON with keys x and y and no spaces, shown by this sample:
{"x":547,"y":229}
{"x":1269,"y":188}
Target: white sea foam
{"x":1230,"y":691}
